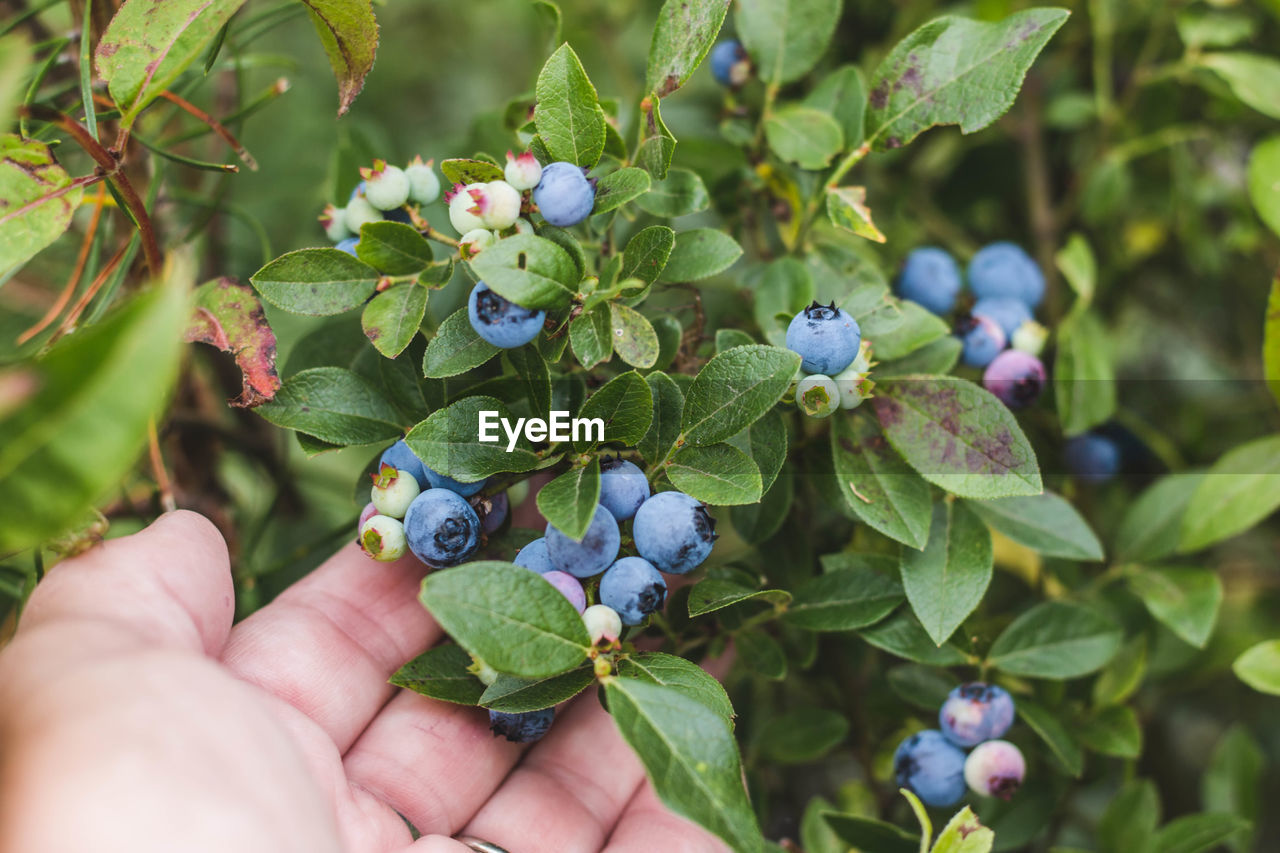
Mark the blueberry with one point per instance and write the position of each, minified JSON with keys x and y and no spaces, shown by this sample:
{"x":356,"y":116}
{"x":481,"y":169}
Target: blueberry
{"x":356,"y":193}
{"x":393,"y":491}
{"x":503,"y":324}
{"x":1007,"y":313}
{"x":1092,"y":457}
{"x":818,"y":395}
{"x":534,"y":556}
{"x":348,"y":245}
{"x":564,"y":195}
{"x":493,"y":512}
{"x":995,"y":769}
{"x":386,"y":187}
{"x":930,"y":278}
{"x":982,"y":338}
{"x":440,"y":481}
{"x":521,"y":728}
{"x":855,"y":386}
{"x":1030,"y":337}
{"x":569,"y":586}
{"x":730,"y":64}
{"x":674,"y":532}
{"x":464,"y":207}
{"x":367,"y":513}
{"x":603,"y":623}
{"x":1016,"y":377}
{"x":383,"y":538}
{"x":474,"y":242}
{"x":501,"y":206}
{"x":595,"y":553}
{"x":442,"y":528}
{"x":398,"y":214}
{"x":932,"y":767}
{"x":424,"y":186}
{"x":401,"y":457}
{"x":623,"y":487}
{"x":523,"y":171}
{"x":976,"y":712}
{"x":360,"y":212}
{"x":825,"y":337}
{"x":633,"y":587}
{"x":334,"y":223}
{"x":1005,"y":270}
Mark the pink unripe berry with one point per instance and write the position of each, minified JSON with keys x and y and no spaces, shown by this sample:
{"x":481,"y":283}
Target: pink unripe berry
{"x":334,"y":223}
{"x":995,"y":769}
{"x":522,"y":172}
{"x":367,"y":513}
{"x":569,"y":587}
{"x":465,"y":213}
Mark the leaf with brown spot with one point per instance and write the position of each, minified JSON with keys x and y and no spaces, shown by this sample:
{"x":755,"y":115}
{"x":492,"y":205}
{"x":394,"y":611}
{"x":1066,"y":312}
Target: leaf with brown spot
{"x":229,"y":316}
{"x":37,"y":199}
{"x":349,"y":32}
{"x":683,"y":35}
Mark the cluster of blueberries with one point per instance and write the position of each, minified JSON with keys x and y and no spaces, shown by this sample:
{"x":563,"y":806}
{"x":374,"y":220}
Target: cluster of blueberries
{"x":482,"y":213}
{"x":933,"y":764}
{"x":999,"y":332}
{"x":416,"y":509}
{"x":834,"y":357}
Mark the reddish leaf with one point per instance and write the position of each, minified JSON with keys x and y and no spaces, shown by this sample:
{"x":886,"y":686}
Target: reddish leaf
{"x":229,"y":316}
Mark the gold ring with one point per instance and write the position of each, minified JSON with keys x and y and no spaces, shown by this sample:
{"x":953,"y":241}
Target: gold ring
{"x":480,"y":846}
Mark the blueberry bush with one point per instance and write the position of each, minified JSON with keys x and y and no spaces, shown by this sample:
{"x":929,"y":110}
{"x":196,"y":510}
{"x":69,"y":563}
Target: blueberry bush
{"x":932,"y":352}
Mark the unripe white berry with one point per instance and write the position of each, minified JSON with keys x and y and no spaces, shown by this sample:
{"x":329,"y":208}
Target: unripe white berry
{"x":386,"y":187}
{"x":358,"y":212}
{"x":393,"y":491}
{"x":424,"y":186}
{"x":382,"y":538}
{"x":522,"y":172}
{"x":475,"y":242}
{"x":502,"y":205}
{"x":817,"y":395}
{"x":603,"y":623}
{"x":464,"y":209}
{"x":334,"y":222}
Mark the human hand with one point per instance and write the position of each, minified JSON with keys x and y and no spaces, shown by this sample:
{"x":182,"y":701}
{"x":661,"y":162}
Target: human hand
{"x":134,"y":716}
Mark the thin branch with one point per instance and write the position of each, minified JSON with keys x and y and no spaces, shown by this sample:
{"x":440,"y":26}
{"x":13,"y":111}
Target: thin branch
{"x":72,"y":318}
{"x":215,"y":126}
{"x":163,"y":483}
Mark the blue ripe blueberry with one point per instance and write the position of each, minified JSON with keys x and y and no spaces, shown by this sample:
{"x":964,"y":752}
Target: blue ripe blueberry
{"x":525,"y":727}
{"x":1005,"y":270}
{"x":930,"y":278}
{"x":399,"y":456}
{"x":983,"y":340}
{"x":493,"y":512}
{"x":442,"y":528}
{"x":1016,"y":377}
{"x":595,"y":553}
{"x":440,"y":481}
{"x":1007,"y":313}
{"x":564,"y":195}
{"x":995,"y":769}
{"x":1092,"y":457}
{"x":634,"y":588}
{"x":674,"y":532}
{"x":398,"y":214}
{"x":569,"y":586}
{"x":500,"y":322}
{"x":348,"y":245}
{"x":825,"y":337}
{"x":623,"y":487}
{"x":534,"y":556}
{"x":932,"y":767}
{"x":976,"y":712}
{"x":730,"y":64}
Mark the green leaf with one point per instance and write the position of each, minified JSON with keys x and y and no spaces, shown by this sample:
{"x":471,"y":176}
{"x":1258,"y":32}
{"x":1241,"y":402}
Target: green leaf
{"x":514,"y":695}
{"x":1240,"y":490}
{"x":393,"y":248}
{"x":334,"y":405}
{"x":569,"y":501}
{"x":315,"y":282}
{"x":680,"y":675}
{"x":634,"y":339}
{"x":463,"y":171}
{"x":955,"y":71}
{"x":568,"y":116}
{"x":1122,"y":677}
{"x":1197,"y":833}
{"x":945,"y":581}
{"x":922,"y":686}
{"x":730,"y":338}
{"x":1079,"y":267}
{"x":680,"y":193}
{"x":842,"y":94}
{"x":657,"y":145}
{"x":75,"y":420}
{"x":815,"y":835}
{"x":847,"y":209}
{"x":37,"y":197}
{"x":801,"y":736}
{"x":1054,"y":734}
{"x":712,"y":594}
{"x":767,"y":444}
{"x":804,"y":136}
{"x":1046,"y":523}
{"x":870,"y":834}
{"x":391,"y":318}
{"x":734,"y":390}
{"x":700,"y":253}
{"x":1271,"y":341}
{"x":448,"y":442}
{"x":15,"y":59}
{"x":626,"y":406}
{"x":150,"y":42}
{"x":1233,"y":782}
{"x":785,"y":288}
{"x":1152,"y":525}
{"x":934,"y":359}
{"x":1084,"y":381}
{"x":1259,"y":667}
{"x":904,"y":636}
{"x":690,"y":755}
{"x":877,"y":486}
{"x":647,"y":253}
{"x":591,"y":336}
{"x":684,"y":33}
{"x":1253,"y":78}
{"x":1185,"y":600}
{"x":786,"y":38}
{"x":441,"y":673}
{"x":618,"y":188}
{"x":717,"y":474}
{"x":229,"y":316}
{"x":532,"y":379}
{"x":507,"y":616}
{"x":761,"y":654}
{"x":964,"y":833}
{"x":1264,"y":181}
{"x":456,"y":348}
{"x":1113,"y":731}
{"x":843,"y":600}
{"x":913,"y":327}
{"x":1130,"y":821}
{"x":529,"y":270}
{"x":664,"y":428}
{"x":348,"y":31}
{"x":1213,"y":28}
{"x":958,"y":436}
{"x":1056,"y":640}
